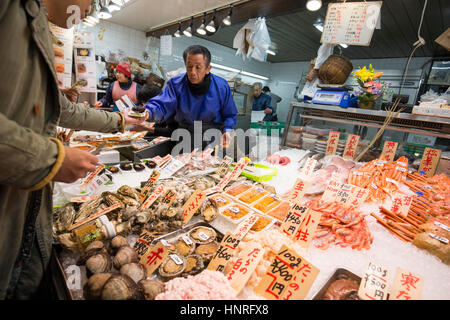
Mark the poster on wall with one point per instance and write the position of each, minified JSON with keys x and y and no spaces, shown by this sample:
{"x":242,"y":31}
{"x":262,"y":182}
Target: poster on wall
{"x":351,"y":22}
{"x":166,"y":45}
{"x":62,"y":48}
{"x":85,"y":66}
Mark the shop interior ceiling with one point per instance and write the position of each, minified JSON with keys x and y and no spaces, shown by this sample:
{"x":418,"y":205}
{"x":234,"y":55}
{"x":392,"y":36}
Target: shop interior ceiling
{"x":291,"y":26}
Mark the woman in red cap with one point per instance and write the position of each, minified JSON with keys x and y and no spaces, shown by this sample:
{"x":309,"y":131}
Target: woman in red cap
{"x":123,"y":86}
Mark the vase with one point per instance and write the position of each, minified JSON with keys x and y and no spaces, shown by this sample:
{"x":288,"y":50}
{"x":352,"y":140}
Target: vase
{"x":366,"y":105}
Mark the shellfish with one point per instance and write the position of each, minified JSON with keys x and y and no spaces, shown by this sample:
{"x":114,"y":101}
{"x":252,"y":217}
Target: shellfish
{"x":94,"y":286}
{"x":124,"y":255}
{"x":209,"y":210}
{"x":194,"y":264}
{"x":129,"y":192}
{"x":99,"y":263}
{"x":135,"y":271}
{"x":172,"y":267}
{"x":120,"y":287}
{"x":151,"y":288}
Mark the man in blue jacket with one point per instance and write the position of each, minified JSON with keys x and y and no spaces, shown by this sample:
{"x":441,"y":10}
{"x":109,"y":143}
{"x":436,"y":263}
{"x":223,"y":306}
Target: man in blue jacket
{"x":196,"y":95}
{"x":262,"y":101}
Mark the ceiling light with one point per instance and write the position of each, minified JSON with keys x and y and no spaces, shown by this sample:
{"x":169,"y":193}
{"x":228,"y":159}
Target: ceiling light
{"x":201,"y":30}
{"x":268,"y":51}
{"x":211,"y":27}
{"x":343,"y":45}
{"x":93,"y":16}
{"x":219,"y":66}
{"x":254,"y":75}
{"x":104,"y":13}
{"x":319,"y":26}
{"x":177,"y":33}
{"x":227,"y":20}
{"x":188,"y":31}
{"x":313,"y":5}
{"x":114,"y":7}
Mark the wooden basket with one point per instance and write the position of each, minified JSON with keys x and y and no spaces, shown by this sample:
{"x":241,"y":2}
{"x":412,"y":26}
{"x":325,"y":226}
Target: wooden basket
{"x":335,"y":70}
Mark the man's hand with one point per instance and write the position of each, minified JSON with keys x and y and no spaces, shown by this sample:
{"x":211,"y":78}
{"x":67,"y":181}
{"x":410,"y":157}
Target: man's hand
{"x":267,"y":111}
{"x":71,"y":94}
{"x":98,"y":104}
{"x":76,"y":164}
{"x":226,"y":139}
{"x":133,"y":120}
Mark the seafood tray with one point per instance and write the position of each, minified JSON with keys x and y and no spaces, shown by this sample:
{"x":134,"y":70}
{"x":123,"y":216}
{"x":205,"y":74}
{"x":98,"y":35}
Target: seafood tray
{"x":263,"y":223}
{"x":339,"y":274}
{"x":235,"y":212}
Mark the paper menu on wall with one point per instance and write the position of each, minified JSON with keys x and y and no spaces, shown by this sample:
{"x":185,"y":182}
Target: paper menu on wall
{"x":351,"y":22}
{"x":63,"y":55}
{"x":85,"y":65}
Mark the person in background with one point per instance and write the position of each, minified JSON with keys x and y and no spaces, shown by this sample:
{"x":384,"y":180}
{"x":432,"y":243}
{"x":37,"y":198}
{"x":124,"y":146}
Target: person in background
{"x":261,"y":102}
{"x":122,"y":86}
{"x":196,"y":95}
{"x":274,"y":100}
{"x":32,"y":156}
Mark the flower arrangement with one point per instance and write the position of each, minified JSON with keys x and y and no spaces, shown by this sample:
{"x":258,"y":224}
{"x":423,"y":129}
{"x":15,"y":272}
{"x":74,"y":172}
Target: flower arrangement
{"x":370,"y":90}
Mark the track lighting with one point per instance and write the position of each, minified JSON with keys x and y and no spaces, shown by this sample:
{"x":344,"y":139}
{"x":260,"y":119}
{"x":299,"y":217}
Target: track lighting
{"x":177,"y":33}
{"x":227,"y":20}
{"x":188,"y":31}
{"x":201,"y":30}
{"x":104,"y":12}
{"x":211,"y":27}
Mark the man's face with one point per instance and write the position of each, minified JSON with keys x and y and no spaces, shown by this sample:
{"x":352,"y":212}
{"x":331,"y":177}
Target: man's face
{"x":196,"y":68}
{"x":256,"y":91}
{"x":57,"y":11}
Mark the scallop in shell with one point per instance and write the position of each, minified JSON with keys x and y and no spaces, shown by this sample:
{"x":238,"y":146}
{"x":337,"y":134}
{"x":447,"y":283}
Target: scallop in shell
{"x":207,"y":251}
{"x":183,"y":247}
{"x":194,"y":264}
{"x":151,"y":288}
{"x":135,"y":271}
{"x":203,"y":234}
{"x":209,"y":210}
{"x":120,"y":287}
{"x":99,"y":263}
{"x":94,"y":286}
{"x":173,"y":266}
{"x":124,"y":255}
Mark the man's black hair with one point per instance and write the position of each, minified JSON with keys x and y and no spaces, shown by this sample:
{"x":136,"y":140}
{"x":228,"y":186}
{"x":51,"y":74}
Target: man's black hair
{"x":197,"y":49}
{"x":147,"y":92}
{"x":266,"y":89}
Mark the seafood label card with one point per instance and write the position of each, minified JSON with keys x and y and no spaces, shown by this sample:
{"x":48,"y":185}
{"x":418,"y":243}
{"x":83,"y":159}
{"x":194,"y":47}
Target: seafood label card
{"x":171,"y":167}
{"x":305,"y":233}
{"x":225,"y":252}
{"x":330,"y":192}
{"x":400,"y":204}
{"x":308,"y":169}
{"x":350,"y":147}
{"x":97,"y":182}
{"x":407,"y":286}
{"x":153,"y":257}
{"x":293,"y":220}
{"x":303,"y":280}
{"x":244,"y":266}
{"x":143,"y":243}
{"x":223,"y":168}
{"x":357,"y":196}
{"x":84,"y":199}
{"x":238,"y":169}
{"x":152,"y":197}
{"x":95,"y":216}
{"x":373,"y":285}
{"x":332,"y":144}
{"x":275,"y":283}
{"x":92,"y":175}
{"x":343,"y":195}
{"x":169,"y":197}
{"x":243,"y":228}
{"x":192,"y":205}
{"x":298,"y":191}
{"x":429,"y":162}
{"x":149,"y":185}
{"x":389,"y":149}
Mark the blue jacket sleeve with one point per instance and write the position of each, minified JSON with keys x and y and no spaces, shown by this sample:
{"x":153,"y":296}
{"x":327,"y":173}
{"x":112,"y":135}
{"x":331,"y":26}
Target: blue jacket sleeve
{"x":163,"y":106}
{"x":107,"y":99}
{"x":228,"y":111}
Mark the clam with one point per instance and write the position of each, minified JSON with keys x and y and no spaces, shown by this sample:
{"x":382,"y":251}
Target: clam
{"x":99,"y":263}
{"x":97,"y":244}
{"x":151,"y":288}
{"x":124,"y":255}
{"x":120,"y":287}
{"x":118,"y":241}
{"x":209,"y":210}
{"x":203,"y":235}
{"x":194,"y":264}
{"x":94,"y":286}
{"x":67,"y":241}
{"x":207,"y":251}
{"x":135,"y":271}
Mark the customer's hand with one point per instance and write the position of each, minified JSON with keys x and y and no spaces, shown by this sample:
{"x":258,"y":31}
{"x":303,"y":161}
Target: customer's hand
{"x":71,"y":94}
{"x":226,"y":139}
{"x":98,"y":104}
{"x":267,"y":111}
{"x":76,"y":164}
{"x":133,"y":120}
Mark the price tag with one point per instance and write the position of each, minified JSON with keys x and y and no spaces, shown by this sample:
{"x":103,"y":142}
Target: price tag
{"x":298,"y":191}
{"x":95,"y":216}
{"x":350,"y":147}
{"x":373,"y":185}
{"x":293,"y":220}
{"x":308,"y":169}
{"x":203,"y":236}
{"x":331,"y":191}
{"x":187,"y":240}
{"x":220,"y":186}
{"x":305,"y":233}
{"x":143,"y":243}
{"x":152,"y":197}
{"x":357,"y":197}
{"x":441,"y":239}
{"x":84,"y":199}
{"x":244,"y":266}
{"x":92,"y":175}
{"x":407,"y":286}
{"x":120,"y":105}
{"x":97,"y":182}
{"x":169,"y":197}
{"x":243,"y":228}
{"x":389,"y":149}
{"x":176,"y":259}
{"x":236,"y":172}
{"x":302,"y":282}
{"x":403,"y":164}
{"x":443,"y":226}
{"x":149,"y":185}
{"x":332,"y":144}
{"x":344,"y":194}
{"x":191,"y":206}
{"x":275,"y":282}
{"x":430,"y":160}
{"x":153,"y":258}
{"x":163,"y":160}
{"x":128,"y":101}
{"x":373,"y":285}
{"x":225,"y":252}
{"x":171,"y":167}
{"x":223,"y":167}
{"x":400,"y":205}
{"x":165,"y":243}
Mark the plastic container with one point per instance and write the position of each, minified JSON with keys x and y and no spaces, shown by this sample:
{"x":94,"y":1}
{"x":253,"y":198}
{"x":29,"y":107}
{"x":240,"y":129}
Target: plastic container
{"x":310,"y":136}
{"x":262,"y":224}
{"x":280,"y":211}
{"x":220,"y":200}
{"x":238,"y":188}
{"x":267,"y":203}
{"x":317,"y":131}
{"x":252,"y":195}
{"x":268,"y":174}
{"x":235,"y":212}
{"x":74,"y":191}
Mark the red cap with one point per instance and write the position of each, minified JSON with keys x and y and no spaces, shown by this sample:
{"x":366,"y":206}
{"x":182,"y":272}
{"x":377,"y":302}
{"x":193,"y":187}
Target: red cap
{"x":124,"y":68}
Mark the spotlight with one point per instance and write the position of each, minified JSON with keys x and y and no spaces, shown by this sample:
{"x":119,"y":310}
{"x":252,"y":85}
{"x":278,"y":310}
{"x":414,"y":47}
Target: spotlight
{"x":104,"y":13}
{"x":313,"y":5}
{"x":201,"y":30}
{"x":227,"y":20}
{"x":188,"y":31}
{"x":177,"y":33}
{"x":211,"y":27}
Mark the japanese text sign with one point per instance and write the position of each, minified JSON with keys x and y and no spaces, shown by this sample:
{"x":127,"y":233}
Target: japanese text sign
{"x":305,"y":233}
{"x":84,"y":199}
{"x":238,"y":169}
{"x":357,"y":197}
{"x":191,"y":206}
{"x":243,"y":227}
{"x":332,"y":144}
{"x":143,"y":243}
{"x":220,"y":186}
{"x":308,"y":169}
{"x":97,"y":182}
{"x":350,"y":147}
{"x":152,"y":197}
{"x":95,"y":216}
{"x":223,"y":167}
{"x":389,"y":149}
{"x":343,"y":195}
{"x":225,"y":252}
{"x":429,"y":162}
{"x":373,"y":285}
{"x":153,"y":257}
{"x":331,"y":191}
{"x":407,"y":286}
{"x":303,"y":280}
{"x":274,"y":284}
{"x":149,"y":185}
{"x":92,"y":175}
{"x":298,"y":191}
{"x":293,"y":220}
{"x":169,"y":197}
{"x":400,"y":204}
{"x":245,"y":265}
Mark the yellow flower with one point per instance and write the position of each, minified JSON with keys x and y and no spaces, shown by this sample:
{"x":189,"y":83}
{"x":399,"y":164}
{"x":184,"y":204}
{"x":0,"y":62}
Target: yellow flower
{"x":363,"y":74}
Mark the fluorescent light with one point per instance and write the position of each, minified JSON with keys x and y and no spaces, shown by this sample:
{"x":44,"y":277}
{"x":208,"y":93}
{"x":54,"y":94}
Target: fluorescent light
{"x":268,"y":51}
{"x":254,"y":75}
{"x":313,"y":5}
{"x":219,"y":66}
{"x":343,"y":45}
{"x":319,"y":26}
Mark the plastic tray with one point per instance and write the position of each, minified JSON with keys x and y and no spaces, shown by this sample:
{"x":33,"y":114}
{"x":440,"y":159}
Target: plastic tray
{"x":339,"y":272}
{"x":268,"y":226}
{"x":270,"y":173}
{"x":235,"y":221}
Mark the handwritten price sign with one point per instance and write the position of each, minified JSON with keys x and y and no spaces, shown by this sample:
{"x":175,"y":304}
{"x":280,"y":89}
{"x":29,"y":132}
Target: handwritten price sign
{"x":225,"y":252}
{"x":191,"y":206}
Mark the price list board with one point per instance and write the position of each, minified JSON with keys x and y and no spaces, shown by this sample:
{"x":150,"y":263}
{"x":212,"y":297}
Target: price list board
{"x":351,"y":23}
